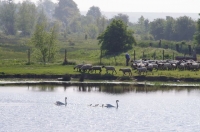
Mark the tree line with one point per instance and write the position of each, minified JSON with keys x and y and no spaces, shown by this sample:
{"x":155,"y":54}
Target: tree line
{"x":45,"y":21}
{"x":182,"y":28}
{"x":23,"y":17}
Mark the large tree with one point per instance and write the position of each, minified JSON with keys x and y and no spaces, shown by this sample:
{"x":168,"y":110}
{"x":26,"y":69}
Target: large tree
{"x":197,"y":34}
{"x":48,"y":7}
{"x":66,"y":11}
{"x":116,"y":38}
{"x":157,"y":28}
{"x":44,"y":42}
{"x":182,"y":28}
{"x":8,"y":17}
{"x":94,"y":12}
{"x":142,"y":27}
{"x":185,"y":28}
{"x":169,"y":30}
{"x":26,"y":17}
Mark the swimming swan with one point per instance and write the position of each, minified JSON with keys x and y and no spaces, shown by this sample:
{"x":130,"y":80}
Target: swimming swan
{"x":58,"y":103}
{"x":111,"y":106}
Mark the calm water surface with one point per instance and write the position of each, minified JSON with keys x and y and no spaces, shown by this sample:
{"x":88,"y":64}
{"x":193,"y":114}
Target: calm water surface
{"x":31,"y":108}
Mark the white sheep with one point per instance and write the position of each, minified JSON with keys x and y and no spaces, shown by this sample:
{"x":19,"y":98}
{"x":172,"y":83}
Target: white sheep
{"x":155,"y":66}
{"x":126,"y":70}
{"x":142,"y":70}
{"x":109,"y":68}
{"x":182,"y":66}
{"x":86,"y":67}
{"x":96,"y":68}
{"x":149,"y":67}
{"x":194,"y":66}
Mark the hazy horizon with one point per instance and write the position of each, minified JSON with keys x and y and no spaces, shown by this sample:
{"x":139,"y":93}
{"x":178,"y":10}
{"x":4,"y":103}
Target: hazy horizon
{"x":133,"y":16}
{"x":129,"y":6}
{"x":160,"y":6}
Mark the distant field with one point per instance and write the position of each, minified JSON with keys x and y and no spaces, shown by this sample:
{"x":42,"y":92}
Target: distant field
{"x":81,"y":51}
{"x":13,"y":59}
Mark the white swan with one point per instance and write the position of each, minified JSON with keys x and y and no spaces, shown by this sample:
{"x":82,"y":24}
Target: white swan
{"x":58,"y":103}
{"x":111,"y":106}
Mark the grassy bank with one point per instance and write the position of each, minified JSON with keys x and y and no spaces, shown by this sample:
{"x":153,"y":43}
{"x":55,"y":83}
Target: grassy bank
{"x":13,"y":59}
{"x":58,"y":69}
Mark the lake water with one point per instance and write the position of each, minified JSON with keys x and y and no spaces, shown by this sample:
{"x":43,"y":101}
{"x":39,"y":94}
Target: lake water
{"x":141,"y":109}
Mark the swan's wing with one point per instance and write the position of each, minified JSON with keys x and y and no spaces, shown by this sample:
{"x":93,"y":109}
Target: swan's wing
{"x":59,"y":103}
{"x":109,"y":105}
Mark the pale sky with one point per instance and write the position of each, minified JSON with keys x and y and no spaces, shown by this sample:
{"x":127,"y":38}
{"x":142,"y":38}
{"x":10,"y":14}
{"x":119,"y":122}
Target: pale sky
{"x":175,"y":6}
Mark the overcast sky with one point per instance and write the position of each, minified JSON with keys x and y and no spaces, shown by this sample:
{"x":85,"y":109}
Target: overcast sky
{"x":175,"y":6}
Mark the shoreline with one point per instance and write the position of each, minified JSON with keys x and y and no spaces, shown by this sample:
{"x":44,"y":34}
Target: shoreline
{"x":94,"y":83}
{"x":99,"y":77}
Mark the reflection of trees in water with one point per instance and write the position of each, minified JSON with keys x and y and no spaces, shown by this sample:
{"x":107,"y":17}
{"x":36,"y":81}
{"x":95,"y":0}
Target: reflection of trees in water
{"x":47,"y":87}
{"x":166,"y":89}
{"x":123,"y":88}
{"x":88,"y":87}
{"x":43,"y":87}
{"x":108,"y":88}
{"x":112,"y":88}
{"x":117,"y":88}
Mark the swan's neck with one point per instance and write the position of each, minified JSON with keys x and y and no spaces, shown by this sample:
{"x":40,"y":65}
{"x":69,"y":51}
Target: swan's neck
{"x":117,"y":104}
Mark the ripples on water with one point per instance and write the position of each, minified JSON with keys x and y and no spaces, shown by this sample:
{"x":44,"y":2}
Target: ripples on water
{"x":31,"y":108}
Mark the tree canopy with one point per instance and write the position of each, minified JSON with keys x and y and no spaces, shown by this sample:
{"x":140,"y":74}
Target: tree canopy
{"x":94,"y":12}
{"x":20,"y":19}
{"x":8,"y":17}
{"x":44,"y":42}
{"x":182,"y":28}
{"x":26,"y":17}
{"x":116,"y":38}
{"x":197,"y":34}
{"x":123,"y":17}
{"x":66,"y":11}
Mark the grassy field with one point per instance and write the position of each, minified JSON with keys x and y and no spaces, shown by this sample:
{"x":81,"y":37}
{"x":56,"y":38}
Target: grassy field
{"x":13,"y":59}
{"x":55,"y":69}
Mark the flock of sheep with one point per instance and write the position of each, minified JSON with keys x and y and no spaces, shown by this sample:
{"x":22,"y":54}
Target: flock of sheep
{"x":144,"y":66}
{"x":149,"y":65}
{"x":91,"y":68}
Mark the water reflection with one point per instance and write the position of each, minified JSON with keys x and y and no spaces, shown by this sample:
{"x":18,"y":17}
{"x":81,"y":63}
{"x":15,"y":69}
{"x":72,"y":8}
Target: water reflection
{"x":50,"y":88}
{"x":111,"y":88}
{"x":142,"y":109}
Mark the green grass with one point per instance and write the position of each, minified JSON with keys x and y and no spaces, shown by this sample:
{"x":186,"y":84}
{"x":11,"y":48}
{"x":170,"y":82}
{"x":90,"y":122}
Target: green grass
{"x":87,"y":51}
{"x":48,"y":69}
{"x":58,"y":69}
{"x":37,"y":69}
{"x":13,"y":58}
